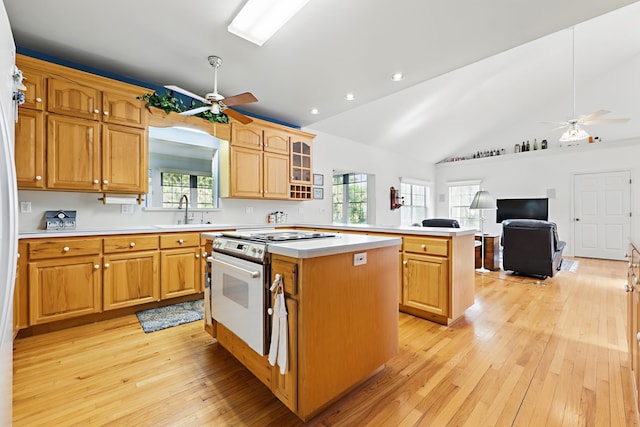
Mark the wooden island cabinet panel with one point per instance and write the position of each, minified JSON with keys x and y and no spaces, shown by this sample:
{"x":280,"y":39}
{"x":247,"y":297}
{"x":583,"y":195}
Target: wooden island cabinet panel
{"x":342,"y":327}
{"x":426,"y":284}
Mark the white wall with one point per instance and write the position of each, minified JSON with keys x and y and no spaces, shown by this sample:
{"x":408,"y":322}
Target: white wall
{"x":533,"y":173}
{"x":329,"y":153}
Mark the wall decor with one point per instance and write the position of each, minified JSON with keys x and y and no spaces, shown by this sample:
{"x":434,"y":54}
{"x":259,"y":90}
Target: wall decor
{"x":318,"y":193}
{"x":318,"y":179}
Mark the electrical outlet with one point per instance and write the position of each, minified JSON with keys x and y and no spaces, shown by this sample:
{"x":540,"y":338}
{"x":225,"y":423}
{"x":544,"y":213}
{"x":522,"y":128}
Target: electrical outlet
{"x":360,"y":259}
{"x":126,"y":209}
{"x":25,"y":207}
{"x":248,"y":210}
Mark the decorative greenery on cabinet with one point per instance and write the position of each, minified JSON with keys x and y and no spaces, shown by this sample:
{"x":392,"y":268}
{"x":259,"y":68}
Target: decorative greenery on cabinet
{"x":169,"y":103}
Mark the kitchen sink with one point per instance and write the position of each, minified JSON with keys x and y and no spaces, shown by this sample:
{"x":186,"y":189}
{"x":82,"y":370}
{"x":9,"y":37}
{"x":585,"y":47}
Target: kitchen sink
{"x":186,"y":226}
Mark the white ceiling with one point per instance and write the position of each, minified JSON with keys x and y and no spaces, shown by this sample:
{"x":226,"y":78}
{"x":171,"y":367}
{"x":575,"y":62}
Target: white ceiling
{"x":479,"y":75}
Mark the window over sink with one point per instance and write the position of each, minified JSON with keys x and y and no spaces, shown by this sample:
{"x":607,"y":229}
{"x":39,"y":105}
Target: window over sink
{"x":183,"y":161}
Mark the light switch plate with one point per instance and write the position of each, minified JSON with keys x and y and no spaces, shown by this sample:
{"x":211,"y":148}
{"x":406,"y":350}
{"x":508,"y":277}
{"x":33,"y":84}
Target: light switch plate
{"x":25,"y":207}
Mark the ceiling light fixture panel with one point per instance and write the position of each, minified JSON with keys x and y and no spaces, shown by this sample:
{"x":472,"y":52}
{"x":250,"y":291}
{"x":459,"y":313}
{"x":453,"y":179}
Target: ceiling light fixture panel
{"x":350,"y":97}
{"x":396,"y":77}
{"x":258,"y":20}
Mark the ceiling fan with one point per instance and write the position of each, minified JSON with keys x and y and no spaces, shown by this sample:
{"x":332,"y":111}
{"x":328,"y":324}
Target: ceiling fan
{"x":573,"y":130}
{"x":217,"y":103}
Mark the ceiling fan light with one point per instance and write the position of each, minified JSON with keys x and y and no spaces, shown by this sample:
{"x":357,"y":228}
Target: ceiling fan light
{"x":574,"y":133}
{"x":258,"y":20}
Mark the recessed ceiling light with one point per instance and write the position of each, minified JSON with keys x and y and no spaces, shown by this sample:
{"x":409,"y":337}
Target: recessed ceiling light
{"x":396,"y":77}
{"x":349,"y":97}
{"x":314,"y":111}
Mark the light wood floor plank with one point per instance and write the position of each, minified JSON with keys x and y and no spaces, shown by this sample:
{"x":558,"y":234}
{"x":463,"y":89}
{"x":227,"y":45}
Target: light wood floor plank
{"x":528,"y":352}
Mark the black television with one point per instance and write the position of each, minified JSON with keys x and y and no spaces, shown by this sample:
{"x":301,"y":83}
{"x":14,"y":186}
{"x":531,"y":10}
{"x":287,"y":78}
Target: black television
{"x":522,"y":209}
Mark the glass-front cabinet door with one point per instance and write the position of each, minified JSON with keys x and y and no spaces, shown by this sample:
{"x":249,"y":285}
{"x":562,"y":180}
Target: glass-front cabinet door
{"x":301,"y":160}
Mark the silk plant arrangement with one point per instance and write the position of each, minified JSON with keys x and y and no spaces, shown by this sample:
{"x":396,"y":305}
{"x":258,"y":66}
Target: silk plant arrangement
{"x":169,"y":103}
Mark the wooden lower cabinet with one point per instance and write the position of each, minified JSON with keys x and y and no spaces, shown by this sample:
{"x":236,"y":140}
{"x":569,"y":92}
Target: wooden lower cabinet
{"x":131,"y":279}
{"x":180,"y":266}
{"x":437,"y":277}
{"x":29,"y":149}
{"x":426,"y":283}
{"x":633,"y":316}
{"x":64,"y":288}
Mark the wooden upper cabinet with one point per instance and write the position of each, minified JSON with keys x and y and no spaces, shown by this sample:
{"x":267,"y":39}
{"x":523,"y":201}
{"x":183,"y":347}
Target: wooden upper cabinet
{"x":276,"y":141}
{"x":247,"y":177}
{"x":34,"y":95}
{"x":249,"y":136}
{"x":276,"y":168}
{"x":124,"y":153}
{"x":301,"y":160}
{"x":73,"y":99}
{"x":29,"y":149}
{"x":73,"y":154}
{"x":123,"y":108}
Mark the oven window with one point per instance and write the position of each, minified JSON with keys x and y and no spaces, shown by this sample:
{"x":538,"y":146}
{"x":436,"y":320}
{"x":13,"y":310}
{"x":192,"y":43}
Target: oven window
{"x":235,"y":289}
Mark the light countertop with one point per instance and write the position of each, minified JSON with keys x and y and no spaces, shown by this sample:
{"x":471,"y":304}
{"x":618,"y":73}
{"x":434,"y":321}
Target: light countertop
{"x":338,"y":244}
{"x":338,"y":228}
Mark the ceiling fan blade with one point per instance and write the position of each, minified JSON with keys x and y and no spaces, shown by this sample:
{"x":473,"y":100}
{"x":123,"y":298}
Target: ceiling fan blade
{"x":604,"y":121}
{"x":243,"y":98}
{"x":195,"y":111}
{"x":593,"y":115}
{"x":186,"y":92}
{"x":238,"y":116}
{"x":555,"y":123}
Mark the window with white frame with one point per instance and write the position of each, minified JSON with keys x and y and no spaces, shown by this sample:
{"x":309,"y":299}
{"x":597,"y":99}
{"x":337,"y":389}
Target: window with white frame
{"x":460,"y":197}
{"x":350,"y":198}
{"x":198,"y":189}
{"x":416,"y":196}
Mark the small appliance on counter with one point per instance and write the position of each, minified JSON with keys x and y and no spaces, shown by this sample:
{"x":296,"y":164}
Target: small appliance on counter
{"x":60,"y":220}
{"x":277,"y":217}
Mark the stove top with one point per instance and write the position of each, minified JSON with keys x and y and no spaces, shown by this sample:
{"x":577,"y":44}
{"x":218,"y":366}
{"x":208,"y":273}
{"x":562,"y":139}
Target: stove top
{"x":252,"y":244}
{"x":276,"y":235}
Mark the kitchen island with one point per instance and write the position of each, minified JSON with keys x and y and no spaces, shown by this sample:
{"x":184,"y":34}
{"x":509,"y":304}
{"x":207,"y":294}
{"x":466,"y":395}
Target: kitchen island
{"x":342,"y":318}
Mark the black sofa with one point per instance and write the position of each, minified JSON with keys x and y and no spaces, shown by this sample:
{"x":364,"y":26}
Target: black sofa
{"x":531,"y":247}
{"x":440,"y":222}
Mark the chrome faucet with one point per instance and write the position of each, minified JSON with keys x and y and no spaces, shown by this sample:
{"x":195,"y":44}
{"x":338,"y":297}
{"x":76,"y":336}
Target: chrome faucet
{"x":186,"y":207}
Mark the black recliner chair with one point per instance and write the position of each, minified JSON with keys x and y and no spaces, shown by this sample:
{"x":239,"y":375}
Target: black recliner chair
{"x":440,"y":222}
{"x":531,"y":247}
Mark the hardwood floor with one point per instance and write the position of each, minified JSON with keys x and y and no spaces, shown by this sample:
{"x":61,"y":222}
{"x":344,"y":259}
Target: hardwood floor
{"x":527,"y":353}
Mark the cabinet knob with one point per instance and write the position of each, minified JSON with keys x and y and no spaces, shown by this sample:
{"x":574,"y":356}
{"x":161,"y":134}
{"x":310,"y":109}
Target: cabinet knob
{"x":197,"y":255}
{"x":107,"y":265}
{"x":96,"y":111}
{"x":404,"y":262}
{"x":96,"y":181}
{"x":106,"y":113}
{"x":638,"y":336}
{"x":38,"y":178}
{"x":65,"y":249}
{"x":132,"y":244}
{"x":38,"y":99}
{"x":105,"y":181}
{"x":180,"y":241}
{"x":96,"y":266}
{"x":634,"y":279}
{"x":205,"y":254}
{"x":423,"y":247}
{"x":628,"y":288}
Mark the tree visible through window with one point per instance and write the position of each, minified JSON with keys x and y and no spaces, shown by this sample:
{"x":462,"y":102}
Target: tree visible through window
{"x":198,"y":189}
{"x":350,"y":205}
{"x":460,"y":197}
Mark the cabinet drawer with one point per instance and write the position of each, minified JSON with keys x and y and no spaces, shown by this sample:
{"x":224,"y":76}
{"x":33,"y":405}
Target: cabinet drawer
{"x":130,"y":243}
{"x":56,"y":248}
{"x":179,"y":240}
{"x":426,"y":245}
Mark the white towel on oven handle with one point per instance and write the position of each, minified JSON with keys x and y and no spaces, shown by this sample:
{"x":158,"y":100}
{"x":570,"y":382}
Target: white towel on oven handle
{"x":279,"y":334}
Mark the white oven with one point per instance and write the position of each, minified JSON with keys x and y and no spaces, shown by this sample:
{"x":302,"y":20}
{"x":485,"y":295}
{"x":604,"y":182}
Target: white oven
{"x":238,"y":298}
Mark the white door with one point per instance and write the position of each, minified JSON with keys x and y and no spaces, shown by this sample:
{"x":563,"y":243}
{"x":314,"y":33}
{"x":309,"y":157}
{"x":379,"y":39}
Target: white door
{"x":602,"y":221}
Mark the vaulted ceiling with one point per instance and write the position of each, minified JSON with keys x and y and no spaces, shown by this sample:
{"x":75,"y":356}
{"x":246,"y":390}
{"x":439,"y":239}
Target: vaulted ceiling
{"x":479,"y":75}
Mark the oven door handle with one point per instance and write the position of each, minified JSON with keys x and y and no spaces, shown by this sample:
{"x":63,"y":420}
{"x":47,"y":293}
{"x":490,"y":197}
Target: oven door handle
{"x":252,"y":274}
